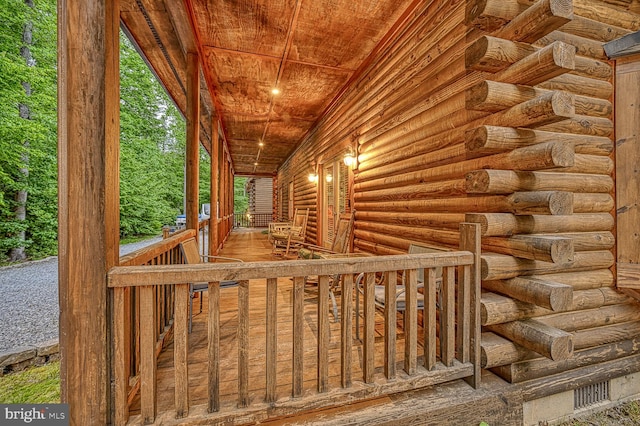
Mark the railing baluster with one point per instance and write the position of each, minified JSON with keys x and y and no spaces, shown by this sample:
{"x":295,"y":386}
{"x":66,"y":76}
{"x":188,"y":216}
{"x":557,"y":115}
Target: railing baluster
{"x":411,"y":322}
{"x":429,"y":320}
{"x":120,"y":358}
{"x":346,"y":324}
{"x":181,"y":350}
{"x":323,"y":333}
{"x":147,"y":356}
{"x":298,"y":335}
{"x":470,"y":240}
{"x":213,"y":332}
{"x":390,"y":318}
{"x":272,"y":340}
{"x":243,"y":344}
{"x":447,"y":330}
{"x":464,"y":311}
{"x":369,"y":327}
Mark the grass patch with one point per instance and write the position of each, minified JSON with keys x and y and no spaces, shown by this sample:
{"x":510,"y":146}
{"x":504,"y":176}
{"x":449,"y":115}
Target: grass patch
{"x":37,"y":385}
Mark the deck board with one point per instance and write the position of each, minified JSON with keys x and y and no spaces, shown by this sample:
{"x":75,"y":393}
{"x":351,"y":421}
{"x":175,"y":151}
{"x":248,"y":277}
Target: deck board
{"x":252,"y":245}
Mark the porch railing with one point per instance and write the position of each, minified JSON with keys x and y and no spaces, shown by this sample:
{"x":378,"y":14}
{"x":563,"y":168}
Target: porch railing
{"x":256,"y":220}
{"x":451,"y":332}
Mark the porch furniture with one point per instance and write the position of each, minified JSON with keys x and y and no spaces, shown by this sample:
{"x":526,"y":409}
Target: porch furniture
{"x":339,"y":249}
{"x":284,"y":236}
{"x":400,"y":295}
{"x":340,"y":243}
{"x":191,"y":255}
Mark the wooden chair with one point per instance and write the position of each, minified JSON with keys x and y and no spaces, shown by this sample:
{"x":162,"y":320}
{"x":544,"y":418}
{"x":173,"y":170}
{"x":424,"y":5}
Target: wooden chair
{"x":339,"y":246}
{"x":192,"y":256}
{"x":340,"y":243}
{"x":287,"y":236}
{"x":400,"y":296}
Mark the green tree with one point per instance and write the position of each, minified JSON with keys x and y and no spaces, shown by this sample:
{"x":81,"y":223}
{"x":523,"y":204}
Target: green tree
{"x":152,"y":146}
{"x":28,"y":195}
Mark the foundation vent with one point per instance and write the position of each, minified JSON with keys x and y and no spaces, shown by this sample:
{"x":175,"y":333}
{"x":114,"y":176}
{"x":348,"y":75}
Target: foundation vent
{"x":590,"y":395}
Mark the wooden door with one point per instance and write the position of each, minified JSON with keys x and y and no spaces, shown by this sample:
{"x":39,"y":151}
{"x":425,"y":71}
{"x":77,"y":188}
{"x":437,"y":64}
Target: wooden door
{"x":628,"y":171}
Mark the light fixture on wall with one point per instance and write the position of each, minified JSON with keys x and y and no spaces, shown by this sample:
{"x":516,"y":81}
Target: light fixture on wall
{"x":328,"y":178}
{"x":349,"y":158}
{"x":313,"y":177}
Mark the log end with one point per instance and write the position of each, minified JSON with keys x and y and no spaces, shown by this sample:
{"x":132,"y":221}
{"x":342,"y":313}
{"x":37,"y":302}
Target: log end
{"x":476,"y":96}
{"x":561,"y":9}
{"x":562,"y":250}
{"x":561,"y":298}
{"x":561,"y":203}
{"x":478,"y":57}
{"x":563,"y":104}
{"x":563,"y":155}
{"x":477,"y":182}
{"x":561,"y":347}
{"x":476,"y":139}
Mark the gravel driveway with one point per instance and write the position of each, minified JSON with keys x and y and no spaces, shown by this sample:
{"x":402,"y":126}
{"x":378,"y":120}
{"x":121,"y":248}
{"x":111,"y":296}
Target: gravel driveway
{"x":29,"y":300}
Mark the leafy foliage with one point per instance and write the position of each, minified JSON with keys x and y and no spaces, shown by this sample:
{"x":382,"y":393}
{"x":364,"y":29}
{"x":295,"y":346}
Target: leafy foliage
{"x":152,"y":146}
{"x":28,"y":143}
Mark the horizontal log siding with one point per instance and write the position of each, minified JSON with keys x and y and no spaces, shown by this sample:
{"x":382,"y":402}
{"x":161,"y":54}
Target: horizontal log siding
{"x":437,"y":106}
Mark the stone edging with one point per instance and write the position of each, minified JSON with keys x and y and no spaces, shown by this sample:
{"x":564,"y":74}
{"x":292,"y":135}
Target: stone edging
{"x":26,"y":356}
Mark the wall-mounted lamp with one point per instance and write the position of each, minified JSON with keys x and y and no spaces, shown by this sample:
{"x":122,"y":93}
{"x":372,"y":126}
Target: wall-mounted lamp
{"x":313,"y":177}
{"x":328,"y":178}
{"x":349,"y":158}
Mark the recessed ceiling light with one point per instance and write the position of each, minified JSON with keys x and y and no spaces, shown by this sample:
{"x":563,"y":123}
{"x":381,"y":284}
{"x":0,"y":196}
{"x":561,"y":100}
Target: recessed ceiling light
{"x":275,"y":91}
{"x":255,"y":164}
{"x":260,"y":144}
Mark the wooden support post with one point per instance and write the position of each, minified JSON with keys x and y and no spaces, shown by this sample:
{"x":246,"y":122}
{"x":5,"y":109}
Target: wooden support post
{"x":545,"y":293}
{"x":537,"y":21}
{"x":538,"y":337}
{"x":429,"y":321}
{"x":193,"y":139}
{"x":88,"y":157}
{"x":214,"y":241}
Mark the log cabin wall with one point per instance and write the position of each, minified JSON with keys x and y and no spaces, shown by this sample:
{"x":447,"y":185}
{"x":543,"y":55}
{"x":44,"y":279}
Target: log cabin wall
{"x":498,"y":112}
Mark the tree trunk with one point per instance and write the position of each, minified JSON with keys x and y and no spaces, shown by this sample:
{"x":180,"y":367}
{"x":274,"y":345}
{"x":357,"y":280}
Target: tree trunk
{"x":18,"y":253}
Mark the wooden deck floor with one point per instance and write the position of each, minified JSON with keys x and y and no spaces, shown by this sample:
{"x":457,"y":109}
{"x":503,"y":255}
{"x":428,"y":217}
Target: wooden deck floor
{"x":252,"y":245}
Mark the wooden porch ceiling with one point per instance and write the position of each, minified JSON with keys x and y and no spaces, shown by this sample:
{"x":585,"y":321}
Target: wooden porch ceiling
{"x":308,"y":49}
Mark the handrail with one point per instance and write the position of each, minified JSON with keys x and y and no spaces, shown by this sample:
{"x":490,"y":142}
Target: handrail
{"x":138,"y":276}
{"x":146,"y":254}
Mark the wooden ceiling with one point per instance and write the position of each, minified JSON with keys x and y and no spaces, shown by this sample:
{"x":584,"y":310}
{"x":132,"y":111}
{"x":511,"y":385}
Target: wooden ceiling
{"x":308,"y":49}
